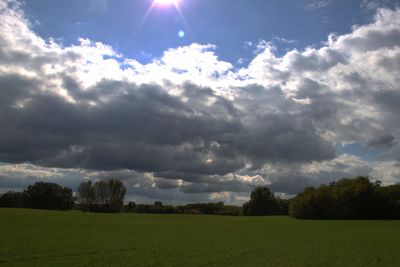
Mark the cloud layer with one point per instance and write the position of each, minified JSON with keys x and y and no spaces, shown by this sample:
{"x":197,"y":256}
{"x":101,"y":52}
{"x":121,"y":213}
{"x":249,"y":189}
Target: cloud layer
{"x":190,"y":127}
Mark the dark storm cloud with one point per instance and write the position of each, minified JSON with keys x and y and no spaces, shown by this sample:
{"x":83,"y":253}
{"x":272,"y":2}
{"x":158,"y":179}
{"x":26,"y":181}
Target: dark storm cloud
{"x":294,"y":178}
{"x":388,"y":100}
{"x":145,"y":128}
{"x":292,"y":184}
{"x":137,"y":128}
{"x":280,"y":137}
{"x":383,"y":141}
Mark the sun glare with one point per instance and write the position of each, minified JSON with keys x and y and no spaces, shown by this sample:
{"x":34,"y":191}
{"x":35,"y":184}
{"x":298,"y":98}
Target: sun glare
{"x":165,"y":2}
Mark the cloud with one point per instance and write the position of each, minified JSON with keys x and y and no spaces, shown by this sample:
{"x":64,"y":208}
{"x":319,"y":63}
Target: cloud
{"x":317,"y":4}
{"x":285,"y":41}
{"x":372,"y":5}
{"x":188,"y":126}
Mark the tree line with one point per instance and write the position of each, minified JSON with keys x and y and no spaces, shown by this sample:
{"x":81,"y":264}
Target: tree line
{"x":356,"y":198}
{"x":218,"y":208}
{"x":41,"y":195}
{"x":348,"y":199}
{"x":101,"y":196}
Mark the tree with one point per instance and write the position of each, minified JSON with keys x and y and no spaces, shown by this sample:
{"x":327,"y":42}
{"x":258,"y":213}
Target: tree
{"x":86,"y":195}
{"x":116,"y":194}
{"x":130,"y":207}
{"x":43,"y":195}
{"x":389,"y":201}
{"x":158,"y":207}
{"x":355,"y":198}
{"x":283,"y":206}
{"x":12,"y":200}
{"x":262,"y":202}
{"x":102,"y":196}
{"x":312,"y":204}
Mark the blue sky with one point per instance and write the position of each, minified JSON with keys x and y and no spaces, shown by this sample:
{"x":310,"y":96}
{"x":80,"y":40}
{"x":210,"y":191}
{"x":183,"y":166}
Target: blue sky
{"x":227,"y":24}
{"x":285,"y":94}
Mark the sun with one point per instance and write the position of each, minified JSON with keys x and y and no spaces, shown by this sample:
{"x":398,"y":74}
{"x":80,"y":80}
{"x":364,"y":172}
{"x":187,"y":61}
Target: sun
{"x":166,"y":2}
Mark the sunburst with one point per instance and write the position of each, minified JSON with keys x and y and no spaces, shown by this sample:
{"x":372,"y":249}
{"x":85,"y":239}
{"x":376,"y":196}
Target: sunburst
{"x":165,"y":2}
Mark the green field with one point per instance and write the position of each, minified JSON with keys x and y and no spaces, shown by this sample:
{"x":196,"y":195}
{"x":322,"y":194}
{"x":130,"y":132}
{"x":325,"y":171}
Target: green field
{"x":51,"y":238}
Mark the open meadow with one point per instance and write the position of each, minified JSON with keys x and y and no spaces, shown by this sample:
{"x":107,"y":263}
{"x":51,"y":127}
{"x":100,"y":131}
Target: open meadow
{"x":73,"y":238}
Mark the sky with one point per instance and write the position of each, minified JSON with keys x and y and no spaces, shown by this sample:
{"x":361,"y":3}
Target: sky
{"x":199,"y":100}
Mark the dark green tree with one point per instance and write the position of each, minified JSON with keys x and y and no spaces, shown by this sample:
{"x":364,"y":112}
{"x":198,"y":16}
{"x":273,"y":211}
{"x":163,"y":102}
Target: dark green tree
{"x":12,"y":200}
{"x":130,"y":207}
{"x":262,"y":202}
{"x":43,"y":195}
{"x":355,"y":198}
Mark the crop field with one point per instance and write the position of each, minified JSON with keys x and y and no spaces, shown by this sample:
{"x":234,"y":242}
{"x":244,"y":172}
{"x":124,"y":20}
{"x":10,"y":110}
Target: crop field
{"x":73,"y":238}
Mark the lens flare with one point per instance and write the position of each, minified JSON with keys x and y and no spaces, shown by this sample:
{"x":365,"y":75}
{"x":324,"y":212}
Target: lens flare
{"x":166,"y":2}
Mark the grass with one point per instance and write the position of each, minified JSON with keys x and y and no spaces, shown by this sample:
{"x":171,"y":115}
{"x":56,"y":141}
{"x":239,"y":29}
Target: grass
{"x":52,"y":238}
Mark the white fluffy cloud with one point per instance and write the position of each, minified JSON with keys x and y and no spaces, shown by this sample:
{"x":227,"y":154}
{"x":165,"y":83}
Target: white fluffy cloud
{"x":190,"y":127}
